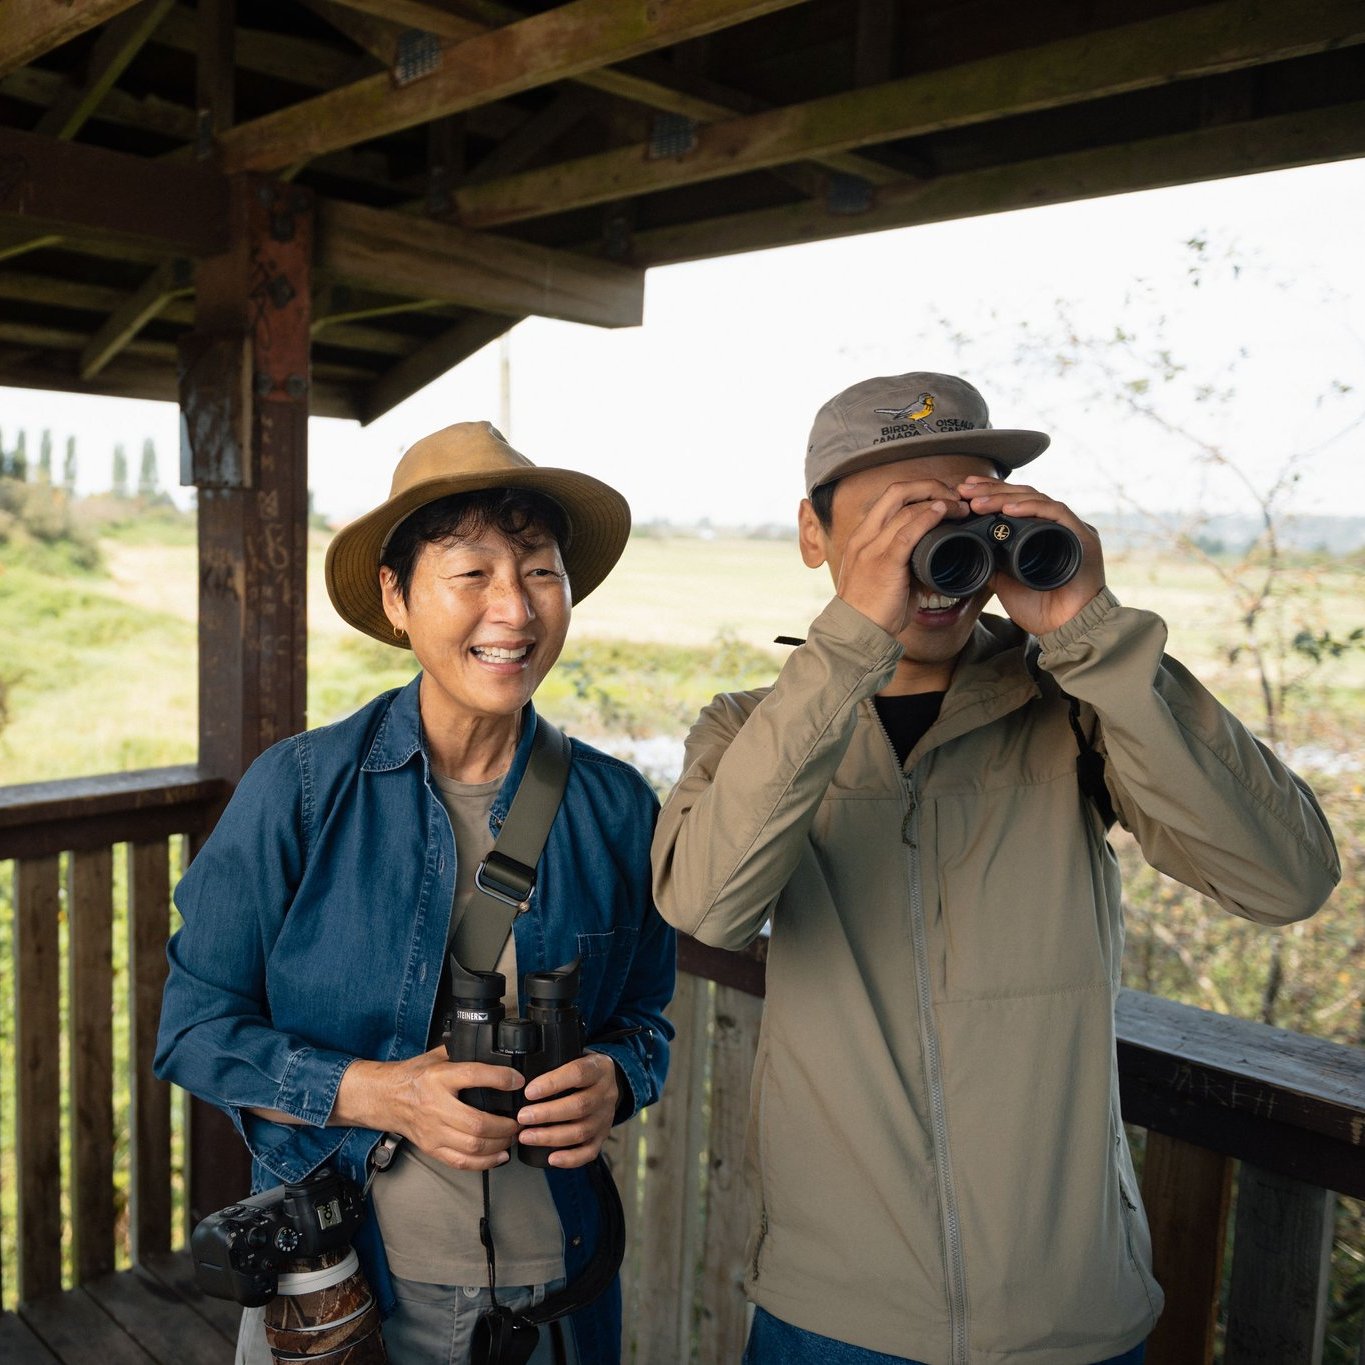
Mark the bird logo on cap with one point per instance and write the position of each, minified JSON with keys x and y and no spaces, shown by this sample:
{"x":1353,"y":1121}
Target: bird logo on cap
{"x":906,"y":414}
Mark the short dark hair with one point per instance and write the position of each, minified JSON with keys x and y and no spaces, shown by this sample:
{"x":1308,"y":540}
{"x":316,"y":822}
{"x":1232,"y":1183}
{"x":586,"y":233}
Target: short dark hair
{"x":822,"y":497}
{"x":523,"y":515}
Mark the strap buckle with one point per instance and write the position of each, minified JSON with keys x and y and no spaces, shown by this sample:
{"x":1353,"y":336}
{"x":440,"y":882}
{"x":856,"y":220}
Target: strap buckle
{"x":506,"y":880}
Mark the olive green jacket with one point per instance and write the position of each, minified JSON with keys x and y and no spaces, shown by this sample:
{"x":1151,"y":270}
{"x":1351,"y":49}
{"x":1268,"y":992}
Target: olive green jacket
{"x":936,"y":1159}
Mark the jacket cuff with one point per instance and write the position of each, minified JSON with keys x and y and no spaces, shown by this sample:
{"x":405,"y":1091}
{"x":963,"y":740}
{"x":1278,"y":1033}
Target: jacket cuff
{"x":632,"y":1079}
{"x":1067,"y":643}
{"x":846,"y":631}
{"x":308,"y":1089}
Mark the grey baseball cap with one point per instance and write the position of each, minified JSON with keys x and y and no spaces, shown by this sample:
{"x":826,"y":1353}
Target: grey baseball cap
{"x":898,"y":417}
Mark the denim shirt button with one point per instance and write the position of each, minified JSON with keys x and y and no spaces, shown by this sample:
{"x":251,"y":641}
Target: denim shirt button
{"x":575,"y":1241}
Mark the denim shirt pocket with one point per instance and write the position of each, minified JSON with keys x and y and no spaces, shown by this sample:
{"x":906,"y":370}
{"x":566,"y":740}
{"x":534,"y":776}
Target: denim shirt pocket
{"x":605,"y":960}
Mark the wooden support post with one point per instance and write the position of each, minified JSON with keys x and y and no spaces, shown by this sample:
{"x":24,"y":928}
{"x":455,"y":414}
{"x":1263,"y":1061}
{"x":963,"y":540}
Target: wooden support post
{"x":90,"y":908}
{"x":37,"y":1092}
{"x":245,"y":415}
{"x":149,"y":918}
{"x":722,"y":1318}
{"x":1281,"y":1253}
{"x":1186,"y":1191}
{"x":670,"y":1215}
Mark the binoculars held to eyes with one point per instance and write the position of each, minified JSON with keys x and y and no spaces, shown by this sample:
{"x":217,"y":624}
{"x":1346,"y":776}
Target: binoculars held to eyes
{"x":957,"y":558}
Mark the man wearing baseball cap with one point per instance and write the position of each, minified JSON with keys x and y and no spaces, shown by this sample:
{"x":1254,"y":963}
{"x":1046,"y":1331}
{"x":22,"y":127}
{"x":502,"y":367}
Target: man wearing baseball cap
{"x":937,"y":1163}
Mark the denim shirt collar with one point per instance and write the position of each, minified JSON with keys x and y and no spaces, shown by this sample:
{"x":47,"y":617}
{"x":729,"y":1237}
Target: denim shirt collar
{"x":399,"y":739}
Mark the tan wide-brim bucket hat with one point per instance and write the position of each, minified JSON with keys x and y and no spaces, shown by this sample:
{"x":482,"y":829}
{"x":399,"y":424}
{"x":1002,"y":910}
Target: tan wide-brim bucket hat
{"x":465,"y":458}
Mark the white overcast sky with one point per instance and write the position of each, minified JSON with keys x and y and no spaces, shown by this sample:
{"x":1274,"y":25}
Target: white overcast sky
{"x":704,"y":410}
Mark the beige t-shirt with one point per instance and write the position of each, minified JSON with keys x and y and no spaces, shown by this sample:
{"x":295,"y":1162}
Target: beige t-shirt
{"x":428,"y":1212}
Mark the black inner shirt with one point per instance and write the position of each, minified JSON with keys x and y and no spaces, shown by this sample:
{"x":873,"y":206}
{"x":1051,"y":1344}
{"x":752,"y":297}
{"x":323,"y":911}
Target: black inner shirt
{"x":906,"y":718}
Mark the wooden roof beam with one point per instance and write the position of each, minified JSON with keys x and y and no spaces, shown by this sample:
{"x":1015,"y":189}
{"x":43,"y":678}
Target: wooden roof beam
{"x":1219,"y":37}
{"x":33,"y":27}
{"x":397,"y":253}
{"x":169,"y":280}
{"x":557,"y":45}
{"x":1269,"y":144}
{"x":76,"y":190}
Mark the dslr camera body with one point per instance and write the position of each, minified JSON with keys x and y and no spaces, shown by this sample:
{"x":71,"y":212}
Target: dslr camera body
{"x":957,"y":558}
{"x":240,"y":1250}
{"x":479,"y":1029}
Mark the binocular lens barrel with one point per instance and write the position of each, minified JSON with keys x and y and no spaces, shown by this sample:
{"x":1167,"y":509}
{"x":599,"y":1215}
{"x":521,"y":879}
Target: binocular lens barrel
{"x":1045,"y":556}
{"x":957,"y":558}
{"x":956,"y":565}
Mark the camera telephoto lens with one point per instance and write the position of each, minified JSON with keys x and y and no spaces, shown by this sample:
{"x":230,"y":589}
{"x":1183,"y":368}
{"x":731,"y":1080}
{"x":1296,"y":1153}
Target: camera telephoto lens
{"x":1045,"y":556}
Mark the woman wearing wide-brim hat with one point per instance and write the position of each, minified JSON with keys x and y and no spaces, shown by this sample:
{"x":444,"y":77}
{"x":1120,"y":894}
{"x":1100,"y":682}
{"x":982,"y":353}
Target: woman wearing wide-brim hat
{"x":307,"y":986}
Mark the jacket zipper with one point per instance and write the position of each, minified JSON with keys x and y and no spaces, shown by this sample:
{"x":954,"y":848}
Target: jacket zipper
{"x":952,"y":1231}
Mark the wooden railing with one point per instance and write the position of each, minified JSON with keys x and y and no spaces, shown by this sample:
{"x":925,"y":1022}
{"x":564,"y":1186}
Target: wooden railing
{"x":68,"y":884}
{"x":1246,"y":1128}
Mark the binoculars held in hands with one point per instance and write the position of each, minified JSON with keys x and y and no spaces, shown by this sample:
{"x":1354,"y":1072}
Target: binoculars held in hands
{"x":957,"y":558}
{"x":478,"y":1029}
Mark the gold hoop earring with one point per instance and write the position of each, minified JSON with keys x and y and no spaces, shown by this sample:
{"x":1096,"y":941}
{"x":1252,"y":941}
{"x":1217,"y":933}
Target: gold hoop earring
{"x":398,"y":632}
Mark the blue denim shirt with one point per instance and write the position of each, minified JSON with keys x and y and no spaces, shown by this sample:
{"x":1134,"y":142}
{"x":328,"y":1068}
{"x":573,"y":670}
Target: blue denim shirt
{"x":315,"y":925}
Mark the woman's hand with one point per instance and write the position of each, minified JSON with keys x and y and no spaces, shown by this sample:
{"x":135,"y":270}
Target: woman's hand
{"x":417,"y":1098}
{"x":576,"y":1122}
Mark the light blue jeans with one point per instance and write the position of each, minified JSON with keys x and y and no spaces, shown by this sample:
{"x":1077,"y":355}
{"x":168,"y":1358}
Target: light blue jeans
{"x":432,"y":1325}
{"x":774,"y":1342}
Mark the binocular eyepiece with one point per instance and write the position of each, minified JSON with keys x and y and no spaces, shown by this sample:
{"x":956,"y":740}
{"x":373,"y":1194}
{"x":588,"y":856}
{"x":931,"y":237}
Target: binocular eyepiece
{"x":957,"y":558}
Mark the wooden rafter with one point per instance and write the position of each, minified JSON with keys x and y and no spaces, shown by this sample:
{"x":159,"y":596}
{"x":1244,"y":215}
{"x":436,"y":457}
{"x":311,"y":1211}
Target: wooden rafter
{"x":556,"y":45}
{"x":115,"y":48}
{"x":1152,"y":163}
{"x":430,"y":362}
{"x":169,"y":280}
{"x":1217,"y":38}
{"x":400,"y":254}
{"x":32,"y":27}
{"x":653,"y":83}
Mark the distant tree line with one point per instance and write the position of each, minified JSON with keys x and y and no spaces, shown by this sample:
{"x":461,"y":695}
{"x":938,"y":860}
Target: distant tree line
{"x":15,"y":464}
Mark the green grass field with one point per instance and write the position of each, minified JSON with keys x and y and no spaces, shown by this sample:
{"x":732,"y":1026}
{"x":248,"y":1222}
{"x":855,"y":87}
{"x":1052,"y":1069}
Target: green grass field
{"x":101,"y":667}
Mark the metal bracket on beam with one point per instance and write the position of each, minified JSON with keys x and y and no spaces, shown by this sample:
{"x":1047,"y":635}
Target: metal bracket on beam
{"x":848,"y":194}
{"x":672,"y":135}
{"x":417,"y":54}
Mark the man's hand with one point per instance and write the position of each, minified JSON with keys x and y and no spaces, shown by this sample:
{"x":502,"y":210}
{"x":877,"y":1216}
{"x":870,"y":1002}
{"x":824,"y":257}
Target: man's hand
{"x":577,"y":1120}
{"x":874,"y":572}
{"x":417,"y":1098}
{"x":1033,"y":611}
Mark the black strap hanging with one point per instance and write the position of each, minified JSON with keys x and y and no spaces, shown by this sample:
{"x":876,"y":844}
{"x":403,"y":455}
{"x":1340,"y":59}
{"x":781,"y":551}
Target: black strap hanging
{"x":1089,"y":766}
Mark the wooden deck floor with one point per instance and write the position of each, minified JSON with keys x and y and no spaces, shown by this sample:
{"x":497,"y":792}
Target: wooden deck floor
{"x":153,"y":1313}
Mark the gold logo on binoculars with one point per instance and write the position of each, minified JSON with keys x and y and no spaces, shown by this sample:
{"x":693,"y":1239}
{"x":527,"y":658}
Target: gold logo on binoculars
{"x":1001,"y":530}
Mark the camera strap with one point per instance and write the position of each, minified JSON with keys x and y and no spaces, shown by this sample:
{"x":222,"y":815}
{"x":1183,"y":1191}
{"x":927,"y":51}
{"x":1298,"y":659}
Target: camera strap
{"x":506,"y":879}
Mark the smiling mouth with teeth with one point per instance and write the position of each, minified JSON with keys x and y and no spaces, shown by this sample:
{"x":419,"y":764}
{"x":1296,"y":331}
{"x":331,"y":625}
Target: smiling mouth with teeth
{"x":936,"y":601}
{"x":495,"y":655}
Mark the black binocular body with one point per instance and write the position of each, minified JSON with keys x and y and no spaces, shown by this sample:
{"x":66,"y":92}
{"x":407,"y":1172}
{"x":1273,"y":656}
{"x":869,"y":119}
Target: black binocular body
{"x":240,"y":1250}
{"x":479,"y":1029}
{"x":957,"y":558}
